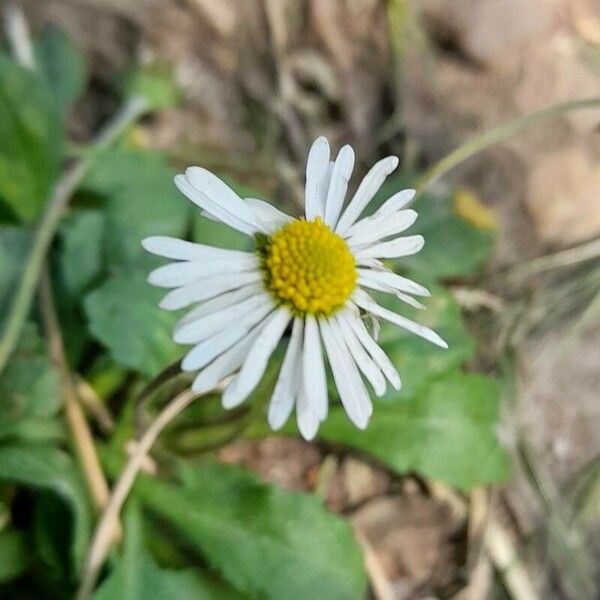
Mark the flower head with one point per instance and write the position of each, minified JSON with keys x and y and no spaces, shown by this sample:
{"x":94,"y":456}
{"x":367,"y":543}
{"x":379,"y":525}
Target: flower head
{"x":310,"y":273}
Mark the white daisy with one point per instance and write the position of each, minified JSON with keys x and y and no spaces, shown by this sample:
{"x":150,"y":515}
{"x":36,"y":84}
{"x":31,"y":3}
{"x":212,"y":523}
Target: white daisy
{"x":309,"y":272}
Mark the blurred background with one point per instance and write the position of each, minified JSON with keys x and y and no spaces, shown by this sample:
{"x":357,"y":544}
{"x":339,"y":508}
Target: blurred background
{"x":242,"y":88}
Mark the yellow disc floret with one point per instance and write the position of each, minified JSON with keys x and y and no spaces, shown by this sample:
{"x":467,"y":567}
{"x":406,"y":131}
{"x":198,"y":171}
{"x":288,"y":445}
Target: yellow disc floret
{"x":308,"y":267}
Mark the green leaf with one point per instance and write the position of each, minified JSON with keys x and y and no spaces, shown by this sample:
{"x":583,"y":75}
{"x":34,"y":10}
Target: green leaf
{"x":31,"y":140}
{"x":141,"y":201}
{"x":155,"y":83}
{"x":14,"y":248}
{"x":46,"y":468}
{"x":447,"y":432}
{"x":80,"y":255}
{"x":418,"y":361}
{"x":14,"y":554}
{"x":123,"y":315}
{"x":30,"y":404}
{"x":61,"y":64}
{"x":138,"y":577}
{"x":453,"y":246}
{"x":265,"y":541}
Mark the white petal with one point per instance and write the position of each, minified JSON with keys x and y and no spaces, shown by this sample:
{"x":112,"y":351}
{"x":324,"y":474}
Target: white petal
{"x":222,"y":301}
{"x":215,"y":208}
{"x":368,"y":187}
{"x":178,"y":274}
{"x":226,"y":364}
{"x":207,"y":288}
{"x":282,"y":400}
{"x":365,"y":301}
{"x":201,"y":354}
{"x":256,"y":361}
{"x":396,"y":202}
{"x":220,"y":194}
{"x":391,"y":280}
{"x":324,"y":187}
{"x":270,"y":217}
{"x":316,"y":170}
{"x":353,"y":320}
{"x":381,"y":287}
{"x":308,"y":421}
{"x":351,"y":388}
{"x":372,"y":263}
{"x":374,"y":285}
{"x":365,"y":363}
{"x":342,"y":171}
{"x":210,"y":216}
{"x":410,"y":301}
{"x":370,"y":230}
{"x":313,"y":369}
{"x":193,"y":332}
{"x":403,"y":246}
{"x":176,"y":249}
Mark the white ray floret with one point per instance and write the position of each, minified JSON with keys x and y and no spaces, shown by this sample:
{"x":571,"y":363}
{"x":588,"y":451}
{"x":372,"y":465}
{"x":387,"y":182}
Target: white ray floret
{"x":310,"y":272}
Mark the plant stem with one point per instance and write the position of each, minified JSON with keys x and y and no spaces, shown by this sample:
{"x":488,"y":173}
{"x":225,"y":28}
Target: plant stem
{"x":93,"y":404}
{"x":17,"y":33}
{"x":80,"y":431}
{"x":55,"y":208}
{"x":103,"y":535}
{"x":498,"y":134}
{"x":562,"y":258}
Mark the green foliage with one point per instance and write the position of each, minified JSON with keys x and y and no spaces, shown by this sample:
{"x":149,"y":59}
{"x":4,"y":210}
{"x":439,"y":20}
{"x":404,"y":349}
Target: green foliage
{"x":453,"y":246}
{"x":266,"y":542}
{"x":29,"y":404}
{"x":14,"y":555}
{"x":141,"y":200}
{"x":50,"y":469}
{"x":124,"y":316}
{"x":31,"y":140}
{"x":446,"y":432}
{"x":154,"y":83}
{"x":14,"y":247}
{"x":137,"y":576}
{"x":61,"y":65}
{"x":418,"y":361}
{"x":80,"y":255}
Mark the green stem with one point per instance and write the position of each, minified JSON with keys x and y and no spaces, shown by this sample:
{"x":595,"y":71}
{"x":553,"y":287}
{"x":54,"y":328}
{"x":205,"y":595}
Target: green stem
{"x":55,"y":208}
{"x":498,"y":134}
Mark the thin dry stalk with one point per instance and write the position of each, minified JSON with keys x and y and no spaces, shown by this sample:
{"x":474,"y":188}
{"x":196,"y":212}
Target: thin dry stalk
{"x":104,"y":533}
{"x":381,"y":585}
{"x":78,"y":426}
{"x":93,"y":404}
{"x":501,"y":550}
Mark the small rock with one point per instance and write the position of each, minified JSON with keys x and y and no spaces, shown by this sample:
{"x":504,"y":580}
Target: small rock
{"x":411,"y":536}
{"x":563,"y":198}
{"x":363,"y":481}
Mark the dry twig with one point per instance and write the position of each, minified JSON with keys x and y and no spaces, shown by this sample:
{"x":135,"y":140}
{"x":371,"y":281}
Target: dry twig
{"x":502,"y":551}
{"x":103,"y":535}
{"x":93,"y":404}
{"x":82,"y":437}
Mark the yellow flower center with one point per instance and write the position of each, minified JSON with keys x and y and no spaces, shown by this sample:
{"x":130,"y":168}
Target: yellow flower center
{"x":308,"y":267}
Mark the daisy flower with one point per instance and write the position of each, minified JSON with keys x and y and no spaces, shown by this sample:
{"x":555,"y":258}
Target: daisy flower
{"x":309,"y":275}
